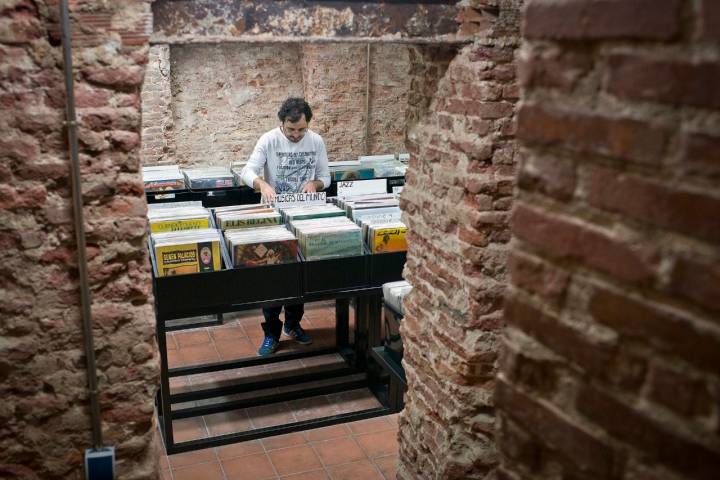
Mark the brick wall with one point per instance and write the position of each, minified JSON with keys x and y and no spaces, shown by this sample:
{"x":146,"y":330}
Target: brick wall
{"x":427,"y":67}
{"x":44,"y":418}
{"x":333,"y":78}
{"x":218,"y":99}
{"x":158,"y":138}
{"x":457,"y":202}
{"x":226,"y":96}
{"x":610,"y":367}
{"x":390,"y":89}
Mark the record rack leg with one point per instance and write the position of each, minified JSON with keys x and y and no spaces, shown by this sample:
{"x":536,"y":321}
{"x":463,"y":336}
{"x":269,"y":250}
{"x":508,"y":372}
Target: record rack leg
{"x":356,"y":371}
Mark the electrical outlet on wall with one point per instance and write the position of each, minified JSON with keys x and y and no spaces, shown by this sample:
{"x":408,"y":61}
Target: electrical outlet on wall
{"x":100,"y":464}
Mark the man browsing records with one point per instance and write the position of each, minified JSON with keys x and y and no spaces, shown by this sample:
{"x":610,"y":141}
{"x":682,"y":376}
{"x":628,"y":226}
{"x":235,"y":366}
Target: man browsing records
{"x":294,"y":160}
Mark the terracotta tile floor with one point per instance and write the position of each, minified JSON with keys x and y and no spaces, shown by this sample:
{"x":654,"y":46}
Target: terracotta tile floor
{"x":362,"y":450}
{"x":365,"y":450}
{"x":240,"y":336}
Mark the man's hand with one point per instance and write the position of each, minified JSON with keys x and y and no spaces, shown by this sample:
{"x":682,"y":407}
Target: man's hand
{"x":267,"y":193}
{"x":310,"y":187}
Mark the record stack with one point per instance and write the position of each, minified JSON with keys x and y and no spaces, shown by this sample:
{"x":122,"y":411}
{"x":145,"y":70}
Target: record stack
{"x":350,"y":170}
{"x":209,"y":177}
{"x":187,"y":251}
{"x":327,"y":237}
{"x":353,"y":204}
{"x":161,"y":178}
{"x":385,"y":237}
{"x":383,"y":165}
{"x":379,"y":218}
{"x":177,"y":218}
{"x":394,"y":293}
{"x":311,"y":211}
{"x":251,"y":247}
{"x":237,"y":167}
{"x":246,"y":216}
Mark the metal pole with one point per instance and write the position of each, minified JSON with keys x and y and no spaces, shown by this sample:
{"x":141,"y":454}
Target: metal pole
{"x":367,"y":103}
{"x":71,"y":124}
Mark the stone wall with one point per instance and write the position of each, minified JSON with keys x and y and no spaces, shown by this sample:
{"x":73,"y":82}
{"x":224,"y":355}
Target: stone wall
{"x":334,"y":85}
{"x":233,"y":63}
{"x":611,"y":356}
{"x":456,"y":203}
{"x":226,"y":96}
{"x":44,"y":418}
{"x":220,"y":98}
{"x":158,"y":135}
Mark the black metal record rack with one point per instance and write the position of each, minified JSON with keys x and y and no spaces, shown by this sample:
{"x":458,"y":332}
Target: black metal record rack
{"x":339,"y":279}
{"x":239,"y":195}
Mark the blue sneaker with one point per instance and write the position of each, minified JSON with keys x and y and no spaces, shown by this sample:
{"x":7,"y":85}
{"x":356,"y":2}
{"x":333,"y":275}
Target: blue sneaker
{"x":297,"y":334}
{"x":268,"y":347}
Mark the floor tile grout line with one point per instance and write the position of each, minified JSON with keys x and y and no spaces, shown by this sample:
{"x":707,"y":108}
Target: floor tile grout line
{"x":386,"y":456}
{"x":377,"y":469}
{"x":185,"y":467}
{"x":306,"y":432}
{"x":361,"y":447}
{"x":324,"y":467}
{"x":217,"y":458}
{"x":207,"y":429}
{"x":352,"y":436}
{"x":227,"y":326}
{"x":192,"y":330}
{"x":267,"y":454}
{"x":299,"y":473}
{"x":212,"y":342}
{"x":307,"y":443}
{"x":174,"y":340}
{"x":373,"y":461}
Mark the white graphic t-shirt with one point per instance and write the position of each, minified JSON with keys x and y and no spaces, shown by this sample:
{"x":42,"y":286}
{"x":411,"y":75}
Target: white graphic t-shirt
{"x":288,"y":165}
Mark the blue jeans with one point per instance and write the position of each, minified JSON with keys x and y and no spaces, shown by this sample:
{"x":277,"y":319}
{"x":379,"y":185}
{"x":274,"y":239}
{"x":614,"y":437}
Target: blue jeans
{"x":272,"y":326}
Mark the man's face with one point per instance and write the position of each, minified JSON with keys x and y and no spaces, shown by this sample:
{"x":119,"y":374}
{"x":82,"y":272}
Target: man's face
{"x":295,"y":131}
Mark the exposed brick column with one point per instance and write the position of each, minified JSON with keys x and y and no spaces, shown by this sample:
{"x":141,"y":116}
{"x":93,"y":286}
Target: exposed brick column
{"x":456,"y":202}
{"x":44,"y":418}
{"x":612,"y":354}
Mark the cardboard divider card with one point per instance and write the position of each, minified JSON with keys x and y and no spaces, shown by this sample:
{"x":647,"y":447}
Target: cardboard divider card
{"x":361,"y":187}
{"x":288,"y":199}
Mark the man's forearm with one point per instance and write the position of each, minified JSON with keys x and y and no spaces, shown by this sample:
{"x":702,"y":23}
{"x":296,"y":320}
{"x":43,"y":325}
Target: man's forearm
{"x":319,"y":185}
{"x":258,"y":183}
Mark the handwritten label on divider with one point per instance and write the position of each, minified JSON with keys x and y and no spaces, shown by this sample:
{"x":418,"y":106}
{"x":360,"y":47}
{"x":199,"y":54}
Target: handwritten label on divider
{"x":289,"y":199}
{"x":361,"y":187}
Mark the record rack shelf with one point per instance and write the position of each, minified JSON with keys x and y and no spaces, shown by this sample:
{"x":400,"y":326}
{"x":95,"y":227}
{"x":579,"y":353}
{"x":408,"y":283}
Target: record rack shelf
{"x":239,"y":195}
{"x":236,"y":289}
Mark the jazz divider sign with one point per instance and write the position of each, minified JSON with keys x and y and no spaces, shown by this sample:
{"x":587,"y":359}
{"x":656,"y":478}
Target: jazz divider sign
{"x":290,"y":199}
{"x":361,"y":187}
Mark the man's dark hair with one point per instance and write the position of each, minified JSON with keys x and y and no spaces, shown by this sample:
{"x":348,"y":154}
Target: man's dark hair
{"x":293,"y":108}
